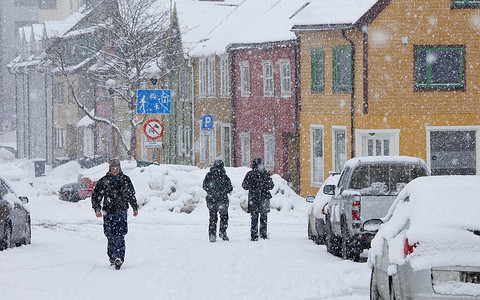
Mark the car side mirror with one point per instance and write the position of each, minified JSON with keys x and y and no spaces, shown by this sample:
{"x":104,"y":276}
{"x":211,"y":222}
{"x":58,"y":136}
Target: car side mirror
{"x":23,"y":199}
{"x":310,"y":199}
{"x":329,"y":189}
{"x":372,"y":225}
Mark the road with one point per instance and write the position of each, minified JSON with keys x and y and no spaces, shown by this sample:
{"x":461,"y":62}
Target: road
{"x":169,"y":257}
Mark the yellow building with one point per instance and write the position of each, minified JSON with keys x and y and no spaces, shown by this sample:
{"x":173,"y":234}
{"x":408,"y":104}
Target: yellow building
{"x":410,"y":87}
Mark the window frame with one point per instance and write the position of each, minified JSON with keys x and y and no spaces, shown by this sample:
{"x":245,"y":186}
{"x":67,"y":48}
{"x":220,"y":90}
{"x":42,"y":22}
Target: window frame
{"x":284,"y":78}
{"x":184,"y":140}
{"x":224,"y":148}
{"x":440,"y":87}
{"x":268,"y":78}
{"x":269,"y":164}
{"x":245,"y":155}
{"x":202,"y":78}
{"x":317,"y":55}
{"x":337,"y":88}
{"x":245,"y":79}
{"x":224,"y":77}
{"x":313,"y":181}
{"x":335,"y":130}
{"x":211,"y":85}
{"x":465,"y":4}
{"x":60,"y":138}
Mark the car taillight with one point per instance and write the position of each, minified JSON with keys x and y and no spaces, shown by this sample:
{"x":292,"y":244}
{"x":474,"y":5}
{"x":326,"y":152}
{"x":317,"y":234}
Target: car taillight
{"x":356,"y":210}
{"x":408,"y":249}
{"x":323,"y":209}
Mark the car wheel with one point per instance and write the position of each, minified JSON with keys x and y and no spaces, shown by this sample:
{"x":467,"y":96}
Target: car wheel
{"x":7,"y":237}
{"x":28,"y":232}
{"x":331,"y":240}
{"x":349,"y":248}
{"x":374,"y":294}
{"x":310,"y":235}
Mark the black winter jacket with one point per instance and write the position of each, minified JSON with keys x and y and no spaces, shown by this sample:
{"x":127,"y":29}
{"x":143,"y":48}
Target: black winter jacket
{"x":258,"y":183}
{"x":217,"y":185}
{"x":116,"y":192}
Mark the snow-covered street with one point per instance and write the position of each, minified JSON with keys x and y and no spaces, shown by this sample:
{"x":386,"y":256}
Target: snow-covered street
{"x":168,"y":253}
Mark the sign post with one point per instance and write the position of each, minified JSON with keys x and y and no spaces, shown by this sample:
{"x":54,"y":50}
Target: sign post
{"x":153,"y":129}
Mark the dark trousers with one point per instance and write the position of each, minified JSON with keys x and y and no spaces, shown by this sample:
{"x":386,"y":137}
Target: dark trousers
{"x":212,"y":227}
{"x":115,"y":228}
{"x":263,"y":225}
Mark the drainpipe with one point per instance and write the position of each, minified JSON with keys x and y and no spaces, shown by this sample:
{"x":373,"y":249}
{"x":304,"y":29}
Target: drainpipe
{"x":234,"y":120}
{"x":352,"y":96}
{"x":297,"y":108}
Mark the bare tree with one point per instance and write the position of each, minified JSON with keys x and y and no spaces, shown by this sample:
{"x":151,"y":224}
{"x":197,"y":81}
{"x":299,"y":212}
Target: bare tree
{"x":131,"y":39}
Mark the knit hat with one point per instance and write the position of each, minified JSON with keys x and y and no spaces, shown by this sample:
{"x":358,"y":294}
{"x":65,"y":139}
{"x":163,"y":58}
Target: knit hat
{"x":114,"y":162}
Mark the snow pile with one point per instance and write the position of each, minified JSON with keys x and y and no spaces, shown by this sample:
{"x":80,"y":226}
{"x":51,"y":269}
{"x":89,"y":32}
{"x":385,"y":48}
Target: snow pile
{"x":173,"y":188}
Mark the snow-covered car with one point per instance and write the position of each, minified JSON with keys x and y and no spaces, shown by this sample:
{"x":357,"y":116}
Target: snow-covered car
{"x":316,"y":213}
{"x":429,"y":244}
{"x":15,"y":224}
{"x":76,"y":191}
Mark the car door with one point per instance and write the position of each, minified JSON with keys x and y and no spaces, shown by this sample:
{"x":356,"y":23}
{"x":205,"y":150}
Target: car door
{"x":18,"y":214}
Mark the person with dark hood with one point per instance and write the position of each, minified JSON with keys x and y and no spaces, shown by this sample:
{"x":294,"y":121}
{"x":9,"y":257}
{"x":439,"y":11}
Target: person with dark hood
{"x":112,"y":194}
{"x":217,"y":185}
{"x":258,"y":183}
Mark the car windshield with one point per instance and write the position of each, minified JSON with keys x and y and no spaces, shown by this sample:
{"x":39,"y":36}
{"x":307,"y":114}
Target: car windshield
{"x":384,"y":178}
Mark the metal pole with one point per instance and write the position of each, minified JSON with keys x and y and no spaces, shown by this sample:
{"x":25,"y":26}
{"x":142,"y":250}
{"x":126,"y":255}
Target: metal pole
{"x":111,"y":125}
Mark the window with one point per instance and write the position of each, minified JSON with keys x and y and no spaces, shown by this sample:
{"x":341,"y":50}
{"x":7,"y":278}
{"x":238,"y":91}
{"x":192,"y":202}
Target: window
{"x":439,"y":67}
{"x":224,"y":82}
{"x":226,"y":145}
{"x":185,"y":83}
{"x":48,"y":4}
{"x":268,"y":79}
{"x":269,"y":151}
{"x":202,"y":78}
{"x":377,"y":142}
{"x":465,"y":3}
{"x":211,"y":77}
{"x":316,"y":144}
{"x":342,"y":69}
{"x":286,"y":84}
{"x":245,"y":144}
{"x":207,"y":146}
{"x":245,"y":79}
{"x":339,"y":149}
{"x":59,"y":93}
{"x":184,"y":140}
{"x":59,"y":138}
{"x":26,"y":2}
{"x":317,"y":58}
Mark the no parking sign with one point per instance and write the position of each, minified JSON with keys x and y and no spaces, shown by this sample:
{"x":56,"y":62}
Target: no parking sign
{"x":153,"y":129}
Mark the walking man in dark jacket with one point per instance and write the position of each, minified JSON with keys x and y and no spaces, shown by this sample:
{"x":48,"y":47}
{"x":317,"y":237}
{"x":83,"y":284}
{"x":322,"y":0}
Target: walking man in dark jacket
{"x":258,"y":183}
{"x":116,"y":191}
{"x":217,"y":185}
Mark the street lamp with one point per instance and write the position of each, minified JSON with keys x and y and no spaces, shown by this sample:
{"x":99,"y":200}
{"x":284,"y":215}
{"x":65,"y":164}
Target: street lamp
{"x":110,"y":84}
{"x":153,"y":74}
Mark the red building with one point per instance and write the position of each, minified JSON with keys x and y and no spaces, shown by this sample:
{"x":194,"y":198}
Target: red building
{"x":266,"y":105}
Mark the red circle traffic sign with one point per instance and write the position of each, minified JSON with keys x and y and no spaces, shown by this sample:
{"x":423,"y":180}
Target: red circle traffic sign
{"x":153,"y":129}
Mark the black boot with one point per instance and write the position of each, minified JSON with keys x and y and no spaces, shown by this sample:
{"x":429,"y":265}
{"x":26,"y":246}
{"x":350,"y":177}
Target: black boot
{"x":223,"y":236}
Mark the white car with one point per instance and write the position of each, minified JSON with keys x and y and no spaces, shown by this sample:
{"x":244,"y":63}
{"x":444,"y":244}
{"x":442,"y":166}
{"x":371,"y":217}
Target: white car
{"x":316,"y":213}
{"x":429,"y":244}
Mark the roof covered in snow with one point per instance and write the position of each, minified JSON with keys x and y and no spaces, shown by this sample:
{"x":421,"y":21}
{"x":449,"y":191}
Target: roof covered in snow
{"x":326,"y":13}
{"x":253,"y":22}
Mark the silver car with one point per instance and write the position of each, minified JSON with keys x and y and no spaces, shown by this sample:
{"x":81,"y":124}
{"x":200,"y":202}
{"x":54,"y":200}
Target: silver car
{"x":316,"y":213}
{"x":429,"y":244}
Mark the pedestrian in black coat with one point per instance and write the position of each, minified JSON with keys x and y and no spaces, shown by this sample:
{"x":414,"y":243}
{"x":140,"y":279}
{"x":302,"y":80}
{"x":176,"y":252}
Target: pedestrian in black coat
{"x":258,"y":183}
{"x":112,"y":194}
{"x":217,"y":185}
